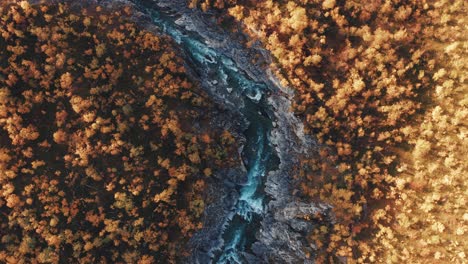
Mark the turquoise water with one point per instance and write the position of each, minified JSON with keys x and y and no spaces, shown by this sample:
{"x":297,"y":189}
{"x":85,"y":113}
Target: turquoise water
{"x":239,"y":233}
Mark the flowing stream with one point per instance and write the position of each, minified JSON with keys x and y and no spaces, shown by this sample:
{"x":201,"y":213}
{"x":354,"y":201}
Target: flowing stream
{"x":258,"y":155}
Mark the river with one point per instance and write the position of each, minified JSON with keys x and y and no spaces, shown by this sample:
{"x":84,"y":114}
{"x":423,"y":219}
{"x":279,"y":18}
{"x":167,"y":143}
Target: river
{"x":235,"y":83}
{"x":257,"y":152}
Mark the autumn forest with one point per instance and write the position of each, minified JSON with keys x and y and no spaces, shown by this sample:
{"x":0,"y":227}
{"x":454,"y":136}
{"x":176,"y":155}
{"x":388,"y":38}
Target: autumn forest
{"x":233,"y":131}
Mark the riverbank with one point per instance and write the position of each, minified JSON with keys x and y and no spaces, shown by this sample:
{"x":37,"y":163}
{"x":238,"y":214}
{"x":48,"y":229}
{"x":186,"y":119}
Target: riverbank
{"x":380,"y":85}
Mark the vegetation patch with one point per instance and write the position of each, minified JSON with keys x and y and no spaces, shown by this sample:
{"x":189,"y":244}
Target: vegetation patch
{"x":105,"y":144}
{"x":380,"y":84}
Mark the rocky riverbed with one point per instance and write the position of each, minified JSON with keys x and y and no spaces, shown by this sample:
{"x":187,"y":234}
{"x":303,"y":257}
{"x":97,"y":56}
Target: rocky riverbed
{"x":253,"y":216}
